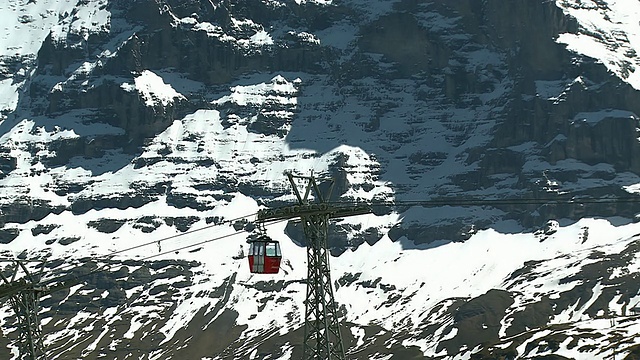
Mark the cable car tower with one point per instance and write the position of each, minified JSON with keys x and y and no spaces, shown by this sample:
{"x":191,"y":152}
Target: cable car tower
{"x":23,"y":290}
{"x":322,"y":340}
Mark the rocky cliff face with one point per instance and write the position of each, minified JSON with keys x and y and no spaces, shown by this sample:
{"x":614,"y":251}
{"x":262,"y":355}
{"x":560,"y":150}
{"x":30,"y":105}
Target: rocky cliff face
{"x":127,"y":122}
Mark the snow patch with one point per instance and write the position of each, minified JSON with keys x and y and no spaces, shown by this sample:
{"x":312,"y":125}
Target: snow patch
{"x":594,"y":117}
{"x":153,"y":89}
{"x":609,"y":32}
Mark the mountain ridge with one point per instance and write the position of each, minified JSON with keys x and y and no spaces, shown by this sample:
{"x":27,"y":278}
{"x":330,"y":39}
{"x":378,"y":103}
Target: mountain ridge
{"x":131,"y":123}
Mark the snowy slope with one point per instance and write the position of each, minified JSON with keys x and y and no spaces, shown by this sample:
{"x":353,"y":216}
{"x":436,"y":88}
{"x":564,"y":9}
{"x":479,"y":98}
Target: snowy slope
{"x":371,"y":277}
{"x":609,"y":32}
{"x":25,"y":26}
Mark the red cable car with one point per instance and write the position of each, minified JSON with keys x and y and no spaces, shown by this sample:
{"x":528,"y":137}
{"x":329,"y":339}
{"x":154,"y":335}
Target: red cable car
{"x":264,"y":255}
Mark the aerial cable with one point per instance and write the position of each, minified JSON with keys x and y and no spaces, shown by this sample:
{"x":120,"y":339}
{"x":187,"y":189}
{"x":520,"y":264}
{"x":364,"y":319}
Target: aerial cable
{"x":76,"y":279}
{"x":192,"y":245}
{"x":488,"y":202}
{"x":423,"y":202}
{"x":427,"y":202}
{"x":159,"y":241}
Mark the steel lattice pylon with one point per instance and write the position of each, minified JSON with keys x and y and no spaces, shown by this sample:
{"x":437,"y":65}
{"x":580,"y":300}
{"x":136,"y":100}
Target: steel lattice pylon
{"x":26,"y":305}
{"x":322,"y":340}
{"x":23,"y":292}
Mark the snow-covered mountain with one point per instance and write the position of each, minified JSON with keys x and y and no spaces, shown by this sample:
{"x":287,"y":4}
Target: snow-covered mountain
{"x":139,"y":137}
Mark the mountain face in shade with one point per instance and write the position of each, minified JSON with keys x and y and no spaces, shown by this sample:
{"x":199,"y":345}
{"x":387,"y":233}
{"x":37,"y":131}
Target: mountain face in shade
{"x":138,"y":139}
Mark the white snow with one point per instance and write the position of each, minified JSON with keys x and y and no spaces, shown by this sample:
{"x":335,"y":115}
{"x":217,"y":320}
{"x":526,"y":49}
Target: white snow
{"x":26,"y":24}
{"x":320,"y":2}
{"x":592,"y":118}
{"x":279,"y":89}
{"x":610,"y":33}
{"x":261,"y":38}
{"x":153,"y":89}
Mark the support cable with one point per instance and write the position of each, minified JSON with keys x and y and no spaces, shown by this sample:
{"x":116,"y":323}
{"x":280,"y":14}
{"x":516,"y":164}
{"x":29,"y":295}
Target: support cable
{"x":426,"y":203}
{"x":489,"y":202}
{"x":157,"y":241}
{"x":77,"y":279}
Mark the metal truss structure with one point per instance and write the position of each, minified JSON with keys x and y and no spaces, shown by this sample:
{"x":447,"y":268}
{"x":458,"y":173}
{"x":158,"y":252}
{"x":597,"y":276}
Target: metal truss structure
{"x":322,"y":339}
{"x":23,"y":290}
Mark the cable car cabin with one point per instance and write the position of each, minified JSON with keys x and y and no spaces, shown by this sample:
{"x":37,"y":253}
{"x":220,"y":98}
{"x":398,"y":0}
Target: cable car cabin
{"x":264,"y":256}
